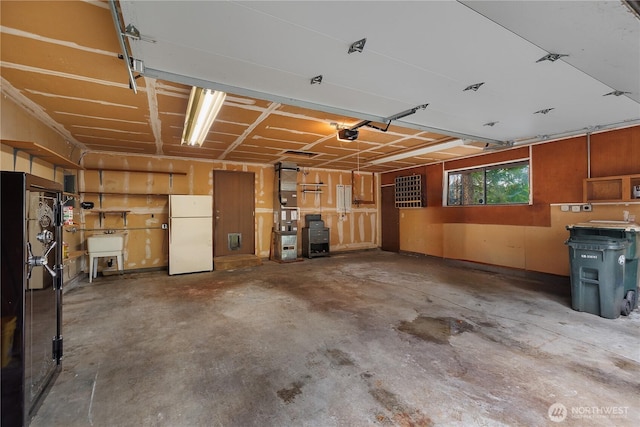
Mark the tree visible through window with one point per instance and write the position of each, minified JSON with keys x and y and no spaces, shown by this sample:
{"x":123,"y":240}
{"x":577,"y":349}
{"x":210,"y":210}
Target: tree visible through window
{"x":491,"y":185}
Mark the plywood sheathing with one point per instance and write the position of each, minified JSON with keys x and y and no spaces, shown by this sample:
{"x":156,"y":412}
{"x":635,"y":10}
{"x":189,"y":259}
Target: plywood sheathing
{"x":74,"y":74}
{"x":526,"y":237}
{"x":145,"y":195}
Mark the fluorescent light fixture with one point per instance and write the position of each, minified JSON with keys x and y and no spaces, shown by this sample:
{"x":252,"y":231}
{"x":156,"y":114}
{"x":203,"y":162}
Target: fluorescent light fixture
{"x":419,"y":151}
{"x":204,"y":105}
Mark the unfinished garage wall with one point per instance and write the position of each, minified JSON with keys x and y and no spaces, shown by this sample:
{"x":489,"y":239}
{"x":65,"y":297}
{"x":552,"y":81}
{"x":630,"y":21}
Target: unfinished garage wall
{"x":136,"y":189}
{"x":26,"y":145}
{"x":528,"y":237}
{"x":19,"y":133}
{"x":350,"y":215}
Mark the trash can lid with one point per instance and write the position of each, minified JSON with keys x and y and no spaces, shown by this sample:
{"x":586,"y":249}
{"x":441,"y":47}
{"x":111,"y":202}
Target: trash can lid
{"x":608,"y":224}
{"x":599,"y":242}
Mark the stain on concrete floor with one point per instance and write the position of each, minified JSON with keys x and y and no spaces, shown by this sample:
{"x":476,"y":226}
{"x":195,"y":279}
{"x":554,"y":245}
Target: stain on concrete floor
{"x":326,"y":342}
{"x":400,"y":414}
{"x":339,"y":357}
{"x":288,"y":394}
{"x":435,"y":329}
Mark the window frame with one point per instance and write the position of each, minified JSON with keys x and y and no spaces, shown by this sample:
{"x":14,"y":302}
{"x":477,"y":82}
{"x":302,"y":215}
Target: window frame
{"x":484,"y":167}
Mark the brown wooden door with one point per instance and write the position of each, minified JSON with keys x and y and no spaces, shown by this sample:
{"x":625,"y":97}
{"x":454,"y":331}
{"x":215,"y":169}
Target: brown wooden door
{"x":390,"y":218}
{"x":233,"y":211}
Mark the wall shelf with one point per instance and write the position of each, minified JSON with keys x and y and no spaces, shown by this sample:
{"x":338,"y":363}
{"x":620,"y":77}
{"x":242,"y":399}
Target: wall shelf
{"x":610,"y":189}
{"x":136,"y":171}
{"x":41,"y":152}
{"x":117,"y":193}
{"x":73,"y":255}
{"x":314,"y":187}
{"x":102,"y":213}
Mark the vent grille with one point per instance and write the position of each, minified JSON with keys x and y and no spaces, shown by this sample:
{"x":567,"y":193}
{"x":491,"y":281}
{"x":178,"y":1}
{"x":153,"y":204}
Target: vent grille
{"x":409,"y":191}
{"x":307,"y":154}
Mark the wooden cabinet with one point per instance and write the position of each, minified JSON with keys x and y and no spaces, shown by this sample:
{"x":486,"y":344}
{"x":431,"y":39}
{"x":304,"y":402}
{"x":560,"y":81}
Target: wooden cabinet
{"x":610,"y":189}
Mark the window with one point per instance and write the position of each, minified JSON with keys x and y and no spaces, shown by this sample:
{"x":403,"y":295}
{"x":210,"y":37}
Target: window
{"x":503,"y":184}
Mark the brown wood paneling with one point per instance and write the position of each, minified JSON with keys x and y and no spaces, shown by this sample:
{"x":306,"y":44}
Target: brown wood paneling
{"x":616,"y":152}
{"x":531,"y":215}
{"x":389,"y":177}
{"x":233,"y":205}
{"x":489,"y":158}
{"x":390,"y":219}
{"x":434,"y":185}
{"x":558,"y":169}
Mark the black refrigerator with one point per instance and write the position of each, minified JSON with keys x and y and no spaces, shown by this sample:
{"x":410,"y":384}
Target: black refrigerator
{"x":31,"y":292}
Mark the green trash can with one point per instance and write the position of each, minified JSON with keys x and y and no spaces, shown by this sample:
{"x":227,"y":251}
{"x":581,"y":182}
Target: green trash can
{"x":597,"y":274}
{"x":622,"y":230}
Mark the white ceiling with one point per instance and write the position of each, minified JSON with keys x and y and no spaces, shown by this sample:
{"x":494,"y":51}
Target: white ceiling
{"x":416,"y":52}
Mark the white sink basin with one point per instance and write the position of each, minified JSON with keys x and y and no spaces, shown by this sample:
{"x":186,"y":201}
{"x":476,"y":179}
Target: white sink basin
{"x":105,"y":243}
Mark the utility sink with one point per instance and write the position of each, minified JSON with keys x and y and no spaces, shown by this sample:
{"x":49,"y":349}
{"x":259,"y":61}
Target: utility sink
{"x":105,"y":243}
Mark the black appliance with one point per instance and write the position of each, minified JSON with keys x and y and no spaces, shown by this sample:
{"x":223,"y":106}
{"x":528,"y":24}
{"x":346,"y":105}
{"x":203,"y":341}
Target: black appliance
{"x":32,"y":277}
{"x":315,"y":237}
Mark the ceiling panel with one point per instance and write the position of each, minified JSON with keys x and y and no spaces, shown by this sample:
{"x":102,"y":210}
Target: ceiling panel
{"x":60,"y":60}
{"x":118,"y":145}
{"x":610,"y":17}
{"x":79,"y":23}
{"x":397,"y":69}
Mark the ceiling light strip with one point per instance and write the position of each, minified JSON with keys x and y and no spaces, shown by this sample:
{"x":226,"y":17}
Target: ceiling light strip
{"x":418,"y":152}
{"x":204,"y":105}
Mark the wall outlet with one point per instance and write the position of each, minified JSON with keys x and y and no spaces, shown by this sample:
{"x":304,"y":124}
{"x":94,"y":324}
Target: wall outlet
{"x":165,"y":226}
{"x":564,"y":208}
{"x":575,"y":208}
{"x":586,"y":208}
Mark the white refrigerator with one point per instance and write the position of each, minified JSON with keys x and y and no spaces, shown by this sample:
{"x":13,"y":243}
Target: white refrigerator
{"x":190,"y":234}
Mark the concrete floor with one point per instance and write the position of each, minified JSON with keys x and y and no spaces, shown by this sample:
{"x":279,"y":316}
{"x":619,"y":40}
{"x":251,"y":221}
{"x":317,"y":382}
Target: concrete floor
{"x":368,"y":338}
